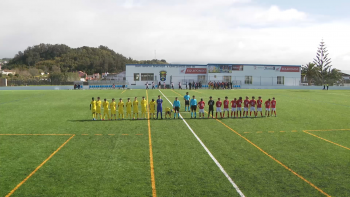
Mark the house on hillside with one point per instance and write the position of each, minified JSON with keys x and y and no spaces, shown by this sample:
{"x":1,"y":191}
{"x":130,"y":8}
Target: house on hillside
{"x":116,"y":76}
{"x":7,"y":72}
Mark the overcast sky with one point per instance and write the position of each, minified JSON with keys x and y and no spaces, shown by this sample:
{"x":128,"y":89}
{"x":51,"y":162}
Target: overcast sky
{"x":184,"y":31}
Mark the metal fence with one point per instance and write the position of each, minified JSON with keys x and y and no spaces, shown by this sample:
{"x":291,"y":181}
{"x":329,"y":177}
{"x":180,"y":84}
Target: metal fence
{"x":19,"y":82}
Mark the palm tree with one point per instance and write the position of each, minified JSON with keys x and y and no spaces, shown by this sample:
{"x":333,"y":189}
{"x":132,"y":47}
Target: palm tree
{"x":334,"y":76}
{"x":311,"y":72}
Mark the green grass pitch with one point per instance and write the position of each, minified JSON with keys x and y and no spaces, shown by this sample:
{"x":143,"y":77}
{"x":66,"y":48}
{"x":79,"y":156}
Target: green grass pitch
{"x":269,"y":156}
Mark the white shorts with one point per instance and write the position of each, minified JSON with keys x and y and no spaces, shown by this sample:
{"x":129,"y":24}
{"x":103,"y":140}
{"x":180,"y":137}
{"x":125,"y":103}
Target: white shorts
{"x":246,"y":109}
{"x":226,"y":109}
{"x":273,"y":109}
{"x":239,"y":109}
{"x":201,"y":110}
{"x":267,"y":109}
{"x":218,"y":109}
{"x":233,"y":109}
{"x":252,"y":108}
{"x":259,"y":109}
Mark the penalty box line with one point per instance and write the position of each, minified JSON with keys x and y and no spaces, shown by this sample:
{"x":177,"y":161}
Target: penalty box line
{"x":37,"y":168}
{"x":306,"y":131}
{"x":286,"y":167}
{"x":209,"y":153}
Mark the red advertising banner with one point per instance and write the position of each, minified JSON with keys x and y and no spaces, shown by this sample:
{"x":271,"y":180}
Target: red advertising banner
{"x":290,"y":69}
{"x":195,"y":71}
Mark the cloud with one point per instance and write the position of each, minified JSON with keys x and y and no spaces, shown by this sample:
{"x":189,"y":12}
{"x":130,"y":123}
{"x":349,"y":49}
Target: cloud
{"x":237,"y":31}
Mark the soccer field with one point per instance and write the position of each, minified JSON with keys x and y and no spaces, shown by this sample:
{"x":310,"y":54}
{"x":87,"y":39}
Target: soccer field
{"x":49,"y":146}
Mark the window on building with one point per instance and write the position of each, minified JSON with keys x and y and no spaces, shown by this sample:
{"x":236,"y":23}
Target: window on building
{"x":136,"y":76}
{"x":226,"y":78}
{"x":280,"y":80}
{"x":201,"y":78}
{"x":248,"y":80}
{"x":147,"y":76}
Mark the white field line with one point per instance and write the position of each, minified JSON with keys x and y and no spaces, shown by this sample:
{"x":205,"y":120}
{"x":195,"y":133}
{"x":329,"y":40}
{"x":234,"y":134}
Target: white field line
{"x":209,"y":153}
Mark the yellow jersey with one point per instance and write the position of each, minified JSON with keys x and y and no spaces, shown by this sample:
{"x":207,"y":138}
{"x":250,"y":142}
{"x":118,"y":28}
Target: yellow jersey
{"x":105,"y":105}
{"x":98,"y":104}
{"x":93,"y":105}
{"x":121,"y":106}
{"x":152,"y":105}
{"x":143,"y":104}
{"x":167,"y":109}
{"x":128,"y":105}
{"x":113,"y":105}
{"x":136,"y":105}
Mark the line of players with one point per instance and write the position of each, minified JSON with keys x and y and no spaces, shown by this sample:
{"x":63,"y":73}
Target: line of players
{"x":236,"y":107}
{"x":96,"y":106}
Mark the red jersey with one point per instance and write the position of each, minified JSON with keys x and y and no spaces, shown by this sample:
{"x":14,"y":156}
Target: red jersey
{"x":218,"y":103}
{"x":201,"y":104}
{"x":267,"y":104}
{"x":259,"y":101}
{"x":273,"y":104}
{"x":239,"y":103}
{"x":252,"y":102}
{"x":226,"y":104}
{"x":246,"y":103}
{"x":233,"y":103}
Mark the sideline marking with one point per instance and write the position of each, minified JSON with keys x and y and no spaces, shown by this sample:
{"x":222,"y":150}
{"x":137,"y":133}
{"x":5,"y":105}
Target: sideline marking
{"x":111,"y":134}
{"x":37,"y":134}
{"x":37,"y":168}
{"x":326,"y":140}
{"x":125,"y":134}
{"x":98,"y":134}
{"x":211,"y":155}
{"x":271,"y":131}
{"x":123,"y":92}
{"x":154,"y":192}
{"x":84,"y":134}
{"x":286,"y":167}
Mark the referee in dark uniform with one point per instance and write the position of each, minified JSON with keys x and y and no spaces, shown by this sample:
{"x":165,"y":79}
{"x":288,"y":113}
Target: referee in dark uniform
{"x":211,"y":104}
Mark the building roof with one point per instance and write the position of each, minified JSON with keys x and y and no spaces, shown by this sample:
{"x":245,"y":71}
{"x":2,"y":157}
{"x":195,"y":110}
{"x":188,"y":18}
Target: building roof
{"x":255,"y":65}
{"x":171,"y":65}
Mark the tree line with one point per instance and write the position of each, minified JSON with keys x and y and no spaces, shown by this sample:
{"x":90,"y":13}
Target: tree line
{"x":60,"y":58}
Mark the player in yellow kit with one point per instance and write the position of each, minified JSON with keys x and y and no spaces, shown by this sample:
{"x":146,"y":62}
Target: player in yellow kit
{"x":152,"y":108}
{"x":105,"y":109}
{"x":167,"y":112}
{"x":93,"y":108}
{"x":128,"y":108}
{"x":135,"y":110}
{"x":143,"y":107}
{"x":121,"y":109}
{"x":98,"y":107}
{"x":113,"y":107}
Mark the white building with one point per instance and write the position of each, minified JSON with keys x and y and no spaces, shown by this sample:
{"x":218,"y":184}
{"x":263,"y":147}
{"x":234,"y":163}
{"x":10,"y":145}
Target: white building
{"x":137,"y":75}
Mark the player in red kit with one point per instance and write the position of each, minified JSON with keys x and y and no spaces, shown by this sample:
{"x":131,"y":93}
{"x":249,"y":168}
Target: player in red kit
{"x":226,"y":107}
{"x":246,"y":105}
{"x":273,"y":106}
{"x":267,"y":107}
{"x":233,"y":108}
{"x":201,"y":105}
{"x":252,"y":106}
{"x":239,"y":107}
{"x":259,"y":109}
{"x":218,"y":108}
